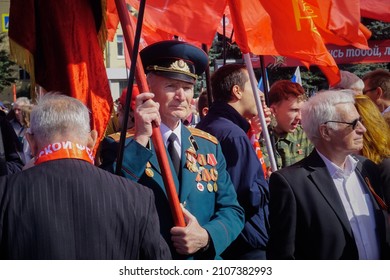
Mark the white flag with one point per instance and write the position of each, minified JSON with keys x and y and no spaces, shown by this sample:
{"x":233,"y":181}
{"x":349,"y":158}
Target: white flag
{"x":296,"y":78}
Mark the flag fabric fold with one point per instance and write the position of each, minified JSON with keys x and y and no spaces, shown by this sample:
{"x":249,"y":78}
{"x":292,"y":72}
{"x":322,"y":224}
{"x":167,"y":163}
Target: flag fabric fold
{"x":338,"y":21}
{"x":60,"y":44}
{"x":195,"y":21}
{"x":290,"y":31}
{"x":297,"y":29}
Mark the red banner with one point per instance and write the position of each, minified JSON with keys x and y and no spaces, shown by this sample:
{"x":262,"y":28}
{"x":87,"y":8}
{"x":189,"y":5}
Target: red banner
{"x":378,"y":52}
{"x":60,"y":44}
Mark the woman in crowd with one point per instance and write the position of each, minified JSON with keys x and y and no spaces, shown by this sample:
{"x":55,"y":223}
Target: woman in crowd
{"x":376,"y":145}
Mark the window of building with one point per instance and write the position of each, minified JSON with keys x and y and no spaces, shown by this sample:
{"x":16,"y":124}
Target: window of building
{"x":120,"y":46}
{"x":122,"y":86}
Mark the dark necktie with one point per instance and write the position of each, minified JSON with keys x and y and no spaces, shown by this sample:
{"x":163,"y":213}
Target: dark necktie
{"x":173,"y":153}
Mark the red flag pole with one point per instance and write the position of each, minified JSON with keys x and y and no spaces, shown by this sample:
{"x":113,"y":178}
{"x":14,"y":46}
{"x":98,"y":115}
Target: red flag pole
{"x":14,"y":92}
{"x":128,"y":33}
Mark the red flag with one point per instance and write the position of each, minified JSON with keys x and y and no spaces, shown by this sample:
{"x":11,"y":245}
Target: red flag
{"x":228,"y":24}
{"x":375,"y":9}
{"x":280,"y":28}
{"x":338,"y":21}
{"x":112,"y":20}
{"x":150,"y":34}
{"x":189,"y":19}
{"x":60,"y":43}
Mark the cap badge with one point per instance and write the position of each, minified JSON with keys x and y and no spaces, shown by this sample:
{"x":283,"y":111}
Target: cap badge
{"x":180,"y":65}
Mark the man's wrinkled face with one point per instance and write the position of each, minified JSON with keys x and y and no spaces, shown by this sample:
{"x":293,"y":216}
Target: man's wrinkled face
{"x":174,"y":97}
{"x":344,"y":138}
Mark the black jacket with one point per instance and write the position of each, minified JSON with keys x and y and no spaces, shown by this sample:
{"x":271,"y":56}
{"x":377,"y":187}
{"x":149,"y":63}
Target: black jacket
{"x":70,"y":209}
{"x":10,"y":161}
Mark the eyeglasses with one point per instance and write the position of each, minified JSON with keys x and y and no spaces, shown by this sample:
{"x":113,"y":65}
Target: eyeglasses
{"x":354,"y":123}
{"x":367,"y":90}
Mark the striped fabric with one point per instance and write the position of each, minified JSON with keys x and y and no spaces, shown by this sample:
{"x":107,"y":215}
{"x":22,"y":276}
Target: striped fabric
{"x":70,"y":209}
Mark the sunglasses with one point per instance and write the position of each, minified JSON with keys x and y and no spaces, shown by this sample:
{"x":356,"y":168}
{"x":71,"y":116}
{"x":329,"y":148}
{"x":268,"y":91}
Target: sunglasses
{"x":354,"y":123}
{"x":368,"y":90}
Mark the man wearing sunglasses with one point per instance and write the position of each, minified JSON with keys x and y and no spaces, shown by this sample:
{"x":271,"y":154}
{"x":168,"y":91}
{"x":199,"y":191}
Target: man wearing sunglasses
{"x":377,"y":87}
{"x":329,"y":205}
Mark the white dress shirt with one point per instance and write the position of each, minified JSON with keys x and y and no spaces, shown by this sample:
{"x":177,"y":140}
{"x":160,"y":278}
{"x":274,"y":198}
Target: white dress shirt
{"x":358,"y":206}
{"x":166,"y":132}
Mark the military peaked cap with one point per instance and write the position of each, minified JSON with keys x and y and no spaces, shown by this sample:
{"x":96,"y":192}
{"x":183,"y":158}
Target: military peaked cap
{"x":174,"y":59}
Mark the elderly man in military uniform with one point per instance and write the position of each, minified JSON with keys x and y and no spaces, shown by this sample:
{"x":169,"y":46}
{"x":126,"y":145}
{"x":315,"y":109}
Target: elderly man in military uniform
{"x":211,"y":211}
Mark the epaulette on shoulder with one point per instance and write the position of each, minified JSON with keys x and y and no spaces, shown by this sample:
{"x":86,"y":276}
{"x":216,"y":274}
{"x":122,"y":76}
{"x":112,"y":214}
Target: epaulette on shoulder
{"x":117,"y":136}
{"x":203,"y":134}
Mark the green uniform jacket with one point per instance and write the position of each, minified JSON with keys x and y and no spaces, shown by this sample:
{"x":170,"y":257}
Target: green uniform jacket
{"x":290,"y":148}
{"x":205,"y":188}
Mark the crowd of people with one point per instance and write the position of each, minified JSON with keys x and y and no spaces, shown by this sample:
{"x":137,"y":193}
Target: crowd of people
{"x":327,"y":199}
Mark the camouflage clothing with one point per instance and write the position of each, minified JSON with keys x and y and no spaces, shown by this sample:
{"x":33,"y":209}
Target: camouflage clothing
{"x":290,"y":148}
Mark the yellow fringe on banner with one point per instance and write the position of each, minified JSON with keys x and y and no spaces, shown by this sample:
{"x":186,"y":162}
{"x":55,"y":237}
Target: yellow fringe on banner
{"x":25,"y":59}
{"x":102,"y":34}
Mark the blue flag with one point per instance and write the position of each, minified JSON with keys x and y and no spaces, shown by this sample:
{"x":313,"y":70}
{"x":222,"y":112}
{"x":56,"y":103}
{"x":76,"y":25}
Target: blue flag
{"x":260,"y":85}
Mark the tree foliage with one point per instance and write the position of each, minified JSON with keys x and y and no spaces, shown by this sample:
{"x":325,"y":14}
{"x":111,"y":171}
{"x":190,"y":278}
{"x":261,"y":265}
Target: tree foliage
{"x":7,"y":67}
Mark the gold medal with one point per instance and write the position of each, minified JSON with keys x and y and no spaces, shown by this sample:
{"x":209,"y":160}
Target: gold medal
{"x":209,"y":187}
{"x":215,"y":187}
{"x":149,"y":172}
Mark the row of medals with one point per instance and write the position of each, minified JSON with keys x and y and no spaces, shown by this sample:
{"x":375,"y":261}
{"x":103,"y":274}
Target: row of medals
{"x":196,"y":163}
{"x":203,"y":174}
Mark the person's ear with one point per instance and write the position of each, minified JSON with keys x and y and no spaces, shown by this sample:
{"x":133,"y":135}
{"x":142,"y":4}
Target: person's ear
{"x":273,"y":109}
{"x":378,"y":93}
{"x":205,"y":110}
{"x":92,"y":139}
{"x":236,"y":93}
{"x":324,"y":132}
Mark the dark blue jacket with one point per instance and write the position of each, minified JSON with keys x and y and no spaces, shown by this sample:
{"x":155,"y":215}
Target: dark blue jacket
{"x":245,"y":170}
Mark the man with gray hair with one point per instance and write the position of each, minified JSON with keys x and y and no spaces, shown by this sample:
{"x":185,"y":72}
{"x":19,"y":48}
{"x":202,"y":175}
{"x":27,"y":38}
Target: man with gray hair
{"x":328,"y":205}
{"x":66,"y":208}
{"x":349,"y":81}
